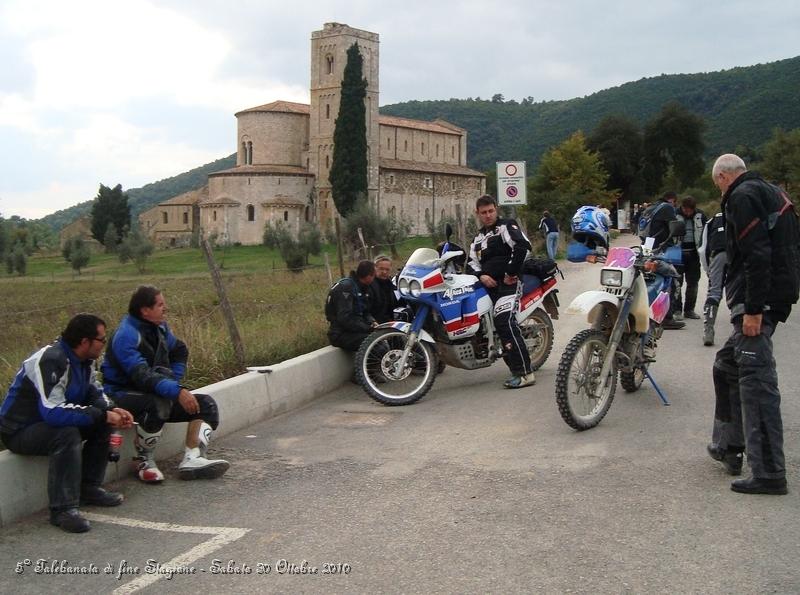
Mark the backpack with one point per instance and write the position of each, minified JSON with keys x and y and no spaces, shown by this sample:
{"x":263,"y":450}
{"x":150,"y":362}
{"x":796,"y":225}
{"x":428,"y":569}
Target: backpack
{"x":539,"y":267}
{"x":330,"y":310}
{"x":646,"y":219}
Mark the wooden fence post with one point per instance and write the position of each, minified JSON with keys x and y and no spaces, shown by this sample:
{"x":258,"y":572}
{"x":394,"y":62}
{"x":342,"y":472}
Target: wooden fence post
{"x":339,"y":247}
{"x":227,"y":311}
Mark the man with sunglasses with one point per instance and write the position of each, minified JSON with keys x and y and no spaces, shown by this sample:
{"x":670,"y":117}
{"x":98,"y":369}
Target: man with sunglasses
{"x":55,"y":404}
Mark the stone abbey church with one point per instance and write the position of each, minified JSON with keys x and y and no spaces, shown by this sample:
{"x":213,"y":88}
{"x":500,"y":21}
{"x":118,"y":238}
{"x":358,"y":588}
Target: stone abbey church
{"x":416,"y":170}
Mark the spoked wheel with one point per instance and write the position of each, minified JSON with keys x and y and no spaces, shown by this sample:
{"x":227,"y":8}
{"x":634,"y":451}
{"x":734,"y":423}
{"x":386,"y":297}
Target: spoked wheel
{"x":380,"y":375}
{"x":631,"y":381}
{"x":583,"y":397}
{"x":537,"y":330}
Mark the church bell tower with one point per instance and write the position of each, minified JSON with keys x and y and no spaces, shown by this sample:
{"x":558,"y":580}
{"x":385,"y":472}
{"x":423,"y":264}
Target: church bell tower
{"x":328,"y":59}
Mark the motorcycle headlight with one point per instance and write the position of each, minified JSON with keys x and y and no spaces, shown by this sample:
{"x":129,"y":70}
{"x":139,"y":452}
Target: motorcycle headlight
{"x":415,"y":288}
{"x":403,"y":286}
{"x":611,"y":278}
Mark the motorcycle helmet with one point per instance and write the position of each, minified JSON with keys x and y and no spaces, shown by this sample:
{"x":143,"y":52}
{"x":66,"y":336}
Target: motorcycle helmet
{"x":590,"y":227}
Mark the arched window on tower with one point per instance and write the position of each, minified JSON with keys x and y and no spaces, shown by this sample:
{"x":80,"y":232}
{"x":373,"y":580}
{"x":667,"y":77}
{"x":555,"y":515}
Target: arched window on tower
{"x":165,"y":216}
{"x":327,"y":161}
{"x":214,"y":215}
{"x":244,"y":153}
{"x":249,"y":158}
{"x":251,"y":213}
{"x":327,"y":111}
{"x":329,"y":64}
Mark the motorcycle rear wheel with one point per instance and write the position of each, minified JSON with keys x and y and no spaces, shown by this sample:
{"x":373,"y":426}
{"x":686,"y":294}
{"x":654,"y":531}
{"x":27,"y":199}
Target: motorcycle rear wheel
{"x":583,"y":399}
{"x":378,"y":376}
{"x":632,"y":381}
{"x":537,"y":330}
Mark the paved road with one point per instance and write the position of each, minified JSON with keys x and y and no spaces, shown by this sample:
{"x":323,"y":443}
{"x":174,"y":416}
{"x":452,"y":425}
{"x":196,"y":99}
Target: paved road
{"x":473,"y":489}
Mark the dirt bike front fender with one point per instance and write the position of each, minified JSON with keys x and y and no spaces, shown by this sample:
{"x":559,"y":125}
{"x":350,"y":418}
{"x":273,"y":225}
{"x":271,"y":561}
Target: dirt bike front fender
{"x":405,"y":327}
{"x":594,"y":303}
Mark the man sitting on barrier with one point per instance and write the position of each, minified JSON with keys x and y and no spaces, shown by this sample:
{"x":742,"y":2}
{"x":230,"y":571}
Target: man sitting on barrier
{"x":347,"y":308}
{"x":142,"y":371}
{"x":53,"y":405}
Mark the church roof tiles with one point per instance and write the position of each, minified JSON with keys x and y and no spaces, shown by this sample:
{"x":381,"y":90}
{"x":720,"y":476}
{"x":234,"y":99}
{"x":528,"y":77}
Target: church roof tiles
{"x":433,"y":168}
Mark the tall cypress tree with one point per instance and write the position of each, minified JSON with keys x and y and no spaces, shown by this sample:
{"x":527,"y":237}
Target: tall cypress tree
{"x":349,"y":168}
{"x":110,"y":206}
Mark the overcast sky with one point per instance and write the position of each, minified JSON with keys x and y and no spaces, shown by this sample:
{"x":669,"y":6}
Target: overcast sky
{"x":133,"y":91}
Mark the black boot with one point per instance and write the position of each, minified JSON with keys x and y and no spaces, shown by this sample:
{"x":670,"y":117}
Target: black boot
{"x":756,"y":485}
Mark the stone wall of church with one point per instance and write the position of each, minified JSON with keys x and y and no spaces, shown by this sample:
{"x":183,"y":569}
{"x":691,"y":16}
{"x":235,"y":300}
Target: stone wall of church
{"x":409,"y":144}
{"x":278,"y":138}
{"x":261,"y":198}
{"x":421,"y":197}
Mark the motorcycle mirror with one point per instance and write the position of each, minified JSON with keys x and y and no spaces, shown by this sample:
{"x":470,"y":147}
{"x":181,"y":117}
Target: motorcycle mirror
{"x":677,"y":228}
{"x":448,"y":231}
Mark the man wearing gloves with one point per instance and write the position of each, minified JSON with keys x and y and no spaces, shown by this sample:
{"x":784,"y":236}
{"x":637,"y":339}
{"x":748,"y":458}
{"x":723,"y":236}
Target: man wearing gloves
{"x":142,"y":371}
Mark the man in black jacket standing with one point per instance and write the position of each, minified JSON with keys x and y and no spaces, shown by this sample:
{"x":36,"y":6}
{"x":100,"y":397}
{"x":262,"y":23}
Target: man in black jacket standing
{"x":762,"y":284}
{"x":348,"y":308}
{"x":496,"y":256}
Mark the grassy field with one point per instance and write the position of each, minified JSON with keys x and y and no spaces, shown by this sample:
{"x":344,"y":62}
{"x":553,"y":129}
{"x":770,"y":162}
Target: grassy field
{"x":279,"y":313}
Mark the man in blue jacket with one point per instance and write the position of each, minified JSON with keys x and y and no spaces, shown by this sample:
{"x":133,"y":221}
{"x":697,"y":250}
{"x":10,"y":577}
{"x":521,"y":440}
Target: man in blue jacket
{"x":53,"y":405}
{"x":142,"y":371}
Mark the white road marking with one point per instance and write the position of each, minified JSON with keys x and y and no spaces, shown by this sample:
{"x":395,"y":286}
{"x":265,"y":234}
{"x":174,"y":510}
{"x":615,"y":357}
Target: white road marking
{"x":221,"y":537}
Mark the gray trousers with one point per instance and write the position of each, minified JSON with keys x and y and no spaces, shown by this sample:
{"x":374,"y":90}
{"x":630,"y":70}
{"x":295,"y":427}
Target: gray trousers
{"x":748,"y":403}
{"x":716,"y":278}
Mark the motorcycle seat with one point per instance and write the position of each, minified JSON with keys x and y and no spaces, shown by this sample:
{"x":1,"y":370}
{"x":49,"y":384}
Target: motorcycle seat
{"x":529,"y":283}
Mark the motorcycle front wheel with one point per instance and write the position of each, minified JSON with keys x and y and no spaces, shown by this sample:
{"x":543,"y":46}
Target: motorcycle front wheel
{"x":537,"y":330}
{"x":378,"y":373}
{"x":584,"y":398}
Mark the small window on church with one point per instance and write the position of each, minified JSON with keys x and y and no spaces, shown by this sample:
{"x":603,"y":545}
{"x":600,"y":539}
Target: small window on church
{"x":329,"y":63}
{"x":327,"y":161}
{"x":428,"y":183}
{"x":452,"y":151}
{"x":308,"y":213}
{"x":422,"y":148}
{"x":405,"y":145}
{"x":251,"y":213}
{"x":453,"y":185}
{"x":327,"y":111}
{"x":388,"y":143}
{"x":443,"y":215}
{"x":185,"y":218}
{"x":165,"y":216}
{"x":391,"y":180}
{"x":249,"y":155}
{"x":286,"y":215}
{"x":437,"y":150}
{"x":214,"y":215}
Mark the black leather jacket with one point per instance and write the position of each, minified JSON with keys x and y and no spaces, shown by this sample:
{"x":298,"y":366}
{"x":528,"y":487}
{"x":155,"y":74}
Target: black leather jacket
{"x":762,"y":235}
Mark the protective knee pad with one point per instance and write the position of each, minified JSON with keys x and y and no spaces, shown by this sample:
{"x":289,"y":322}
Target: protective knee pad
{"x":208,"y":410}
{"x":504,"y":306}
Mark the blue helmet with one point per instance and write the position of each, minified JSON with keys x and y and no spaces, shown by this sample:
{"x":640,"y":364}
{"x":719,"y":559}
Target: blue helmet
{"x":590,"y":227}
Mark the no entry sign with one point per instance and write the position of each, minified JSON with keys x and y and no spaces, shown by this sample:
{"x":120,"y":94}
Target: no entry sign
{"x":511,"y":183}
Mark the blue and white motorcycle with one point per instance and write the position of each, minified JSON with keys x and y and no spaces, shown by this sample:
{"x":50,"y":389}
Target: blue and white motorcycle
{"x":448,"y":317}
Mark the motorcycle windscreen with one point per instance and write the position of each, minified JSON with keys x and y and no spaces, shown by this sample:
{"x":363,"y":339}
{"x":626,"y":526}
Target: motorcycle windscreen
{"x":620,"y":257}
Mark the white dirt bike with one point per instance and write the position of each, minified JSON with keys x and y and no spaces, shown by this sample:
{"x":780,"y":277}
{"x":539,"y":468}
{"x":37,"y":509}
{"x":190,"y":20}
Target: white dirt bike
{"x":625,"y":315}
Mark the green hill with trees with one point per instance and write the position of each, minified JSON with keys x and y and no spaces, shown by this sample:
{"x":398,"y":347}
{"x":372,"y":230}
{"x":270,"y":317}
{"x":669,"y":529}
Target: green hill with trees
{"x":740,"y":106}
{"x":149,"y":195}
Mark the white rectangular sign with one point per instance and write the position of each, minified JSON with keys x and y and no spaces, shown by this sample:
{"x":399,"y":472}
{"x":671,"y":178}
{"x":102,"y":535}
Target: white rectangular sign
{"x":511,"y":183}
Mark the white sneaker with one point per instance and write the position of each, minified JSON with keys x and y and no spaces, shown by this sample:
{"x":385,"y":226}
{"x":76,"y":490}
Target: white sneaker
{"x":195,"y":466}
{"x":520,"y":381}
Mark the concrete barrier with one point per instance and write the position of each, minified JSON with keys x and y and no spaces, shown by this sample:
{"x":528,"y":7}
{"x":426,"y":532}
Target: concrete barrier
{"x":242,"y":400}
